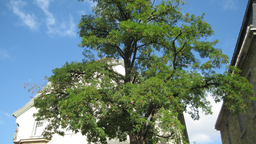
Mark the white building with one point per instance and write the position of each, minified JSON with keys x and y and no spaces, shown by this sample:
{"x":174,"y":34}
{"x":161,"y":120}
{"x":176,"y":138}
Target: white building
{"x":29,"y":131}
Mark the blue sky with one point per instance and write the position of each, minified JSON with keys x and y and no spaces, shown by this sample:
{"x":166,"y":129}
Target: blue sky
{"x":37,"y":36}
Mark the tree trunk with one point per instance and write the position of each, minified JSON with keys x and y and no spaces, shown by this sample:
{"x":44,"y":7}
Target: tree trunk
{"x":136,"y":139}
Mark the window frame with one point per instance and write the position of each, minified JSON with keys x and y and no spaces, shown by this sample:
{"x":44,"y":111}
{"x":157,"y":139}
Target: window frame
{"x":36,"y":131}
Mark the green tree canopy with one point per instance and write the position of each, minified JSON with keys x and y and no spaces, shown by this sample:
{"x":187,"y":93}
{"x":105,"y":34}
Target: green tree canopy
{"x":91,"y":97}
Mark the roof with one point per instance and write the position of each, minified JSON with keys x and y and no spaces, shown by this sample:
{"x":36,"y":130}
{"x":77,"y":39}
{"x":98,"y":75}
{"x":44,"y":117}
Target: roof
{"x":30,"y":104}
{"x":111,"y":61}
{"x":242,"y":31}
{"x":105,"y":59}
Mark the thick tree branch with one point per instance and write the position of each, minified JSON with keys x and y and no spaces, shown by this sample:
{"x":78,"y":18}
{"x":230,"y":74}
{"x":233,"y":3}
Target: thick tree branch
{"x":182,"y":47}
{"x":165,"y":136}
{"x":206,"y":85}
{"x":134,"y":53}
{"x":153,"y":2}
{"x":145,"y":44}
{"x":121,"y":53}
{"x":149,"y":110}
{"x":123,"y":14}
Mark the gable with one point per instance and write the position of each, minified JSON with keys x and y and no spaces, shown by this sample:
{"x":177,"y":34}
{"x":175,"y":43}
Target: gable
{"x":30,"y":104}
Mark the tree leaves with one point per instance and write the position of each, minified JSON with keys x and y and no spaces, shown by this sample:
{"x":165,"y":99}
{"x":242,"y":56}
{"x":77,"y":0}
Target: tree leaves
{"x":91,"y":97}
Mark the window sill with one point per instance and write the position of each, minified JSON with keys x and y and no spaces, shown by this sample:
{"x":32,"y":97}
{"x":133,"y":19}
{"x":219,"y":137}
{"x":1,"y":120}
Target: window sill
{"x":254,"y":116}
{"x":36,"y":136}
{"x":243,"y":133}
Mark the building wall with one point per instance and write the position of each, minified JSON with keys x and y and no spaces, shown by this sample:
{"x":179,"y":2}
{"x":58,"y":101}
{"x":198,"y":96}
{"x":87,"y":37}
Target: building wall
{"x":247,"y":65}
{"x":27,"y":123}
{"x":26,"y":126}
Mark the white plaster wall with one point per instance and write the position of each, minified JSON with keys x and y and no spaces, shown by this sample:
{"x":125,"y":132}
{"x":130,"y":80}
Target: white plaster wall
{"x":26,"y":127}
{"x":120,"y":69}
{"x":69,"y":139}
{"x":26,"y":123}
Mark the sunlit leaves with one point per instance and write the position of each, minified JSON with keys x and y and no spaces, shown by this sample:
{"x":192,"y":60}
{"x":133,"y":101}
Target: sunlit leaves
{"x":92,"y":98}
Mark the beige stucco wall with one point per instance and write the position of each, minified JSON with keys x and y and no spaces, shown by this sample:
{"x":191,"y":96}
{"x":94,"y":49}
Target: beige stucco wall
{"x":248,"y":65}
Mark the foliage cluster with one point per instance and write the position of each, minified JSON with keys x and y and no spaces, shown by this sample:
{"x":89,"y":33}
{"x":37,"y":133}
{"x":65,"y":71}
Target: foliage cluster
{"x":91,"y":97}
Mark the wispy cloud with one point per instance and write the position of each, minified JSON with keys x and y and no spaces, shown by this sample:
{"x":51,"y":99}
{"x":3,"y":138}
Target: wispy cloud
{"x":201,"y":138}
{"x":2,"y":115}
{"x":81,"y":12}
{"x":26,"y":18}
{"x":92,"y":4}
{"x":203,"y":131}
{"x":66,"y":28}
{"x":5,"y":113}
{"x":229,"y":4}
{"x":1,"y":120}
{"x":5,"y":55}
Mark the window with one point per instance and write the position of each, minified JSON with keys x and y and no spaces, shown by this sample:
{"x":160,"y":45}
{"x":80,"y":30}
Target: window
{"x":229,"y":134}
{"x":253,"y":103}
{"x":241,"y":123}
{"x":38,"y":128}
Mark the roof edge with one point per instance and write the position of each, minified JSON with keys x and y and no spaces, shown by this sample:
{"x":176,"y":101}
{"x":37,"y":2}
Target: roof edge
{"x":217,"y":124}
{"x":242,"y":29}
{"x":30,"y":104}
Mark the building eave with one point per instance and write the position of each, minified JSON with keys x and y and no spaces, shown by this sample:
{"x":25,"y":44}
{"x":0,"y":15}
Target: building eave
{"x":220,"y":116}
{"x":32,"y":141}
{"x":242,"y":31}
{"x":30,"y":104}
{"x":241,"y":39}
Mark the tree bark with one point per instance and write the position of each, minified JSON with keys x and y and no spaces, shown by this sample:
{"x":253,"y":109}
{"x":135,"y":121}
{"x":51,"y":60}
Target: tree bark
{"x":136,"y":139}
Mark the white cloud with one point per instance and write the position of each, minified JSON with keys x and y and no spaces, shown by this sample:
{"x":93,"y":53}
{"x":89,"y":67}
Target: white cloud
{"x":66,"y":28}
{"x":44,"y":5}
{"x":26,"y":18}
{"x":1,"y":116}
{"x":5,"y":113}
{"x":229,"y":4}
{"x":201,"y":139}
{"x":1,"y":121}
{"x":203,"y":130}
{"x":5,"y":55}
{"x":81,"y":12}
{"x":92,"y":4}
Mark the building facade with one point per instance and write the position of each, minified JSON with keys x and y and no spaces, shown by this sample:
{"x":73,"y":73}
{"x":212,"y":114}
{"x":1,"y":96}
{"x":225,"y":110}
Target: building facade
{"x":29,"y":131}
{"x":241,"y":128}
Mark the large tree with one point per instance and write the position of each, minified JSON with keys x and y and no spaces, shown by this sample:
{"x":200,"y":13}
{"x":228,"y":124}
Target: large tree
{"x":91,"y":97}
